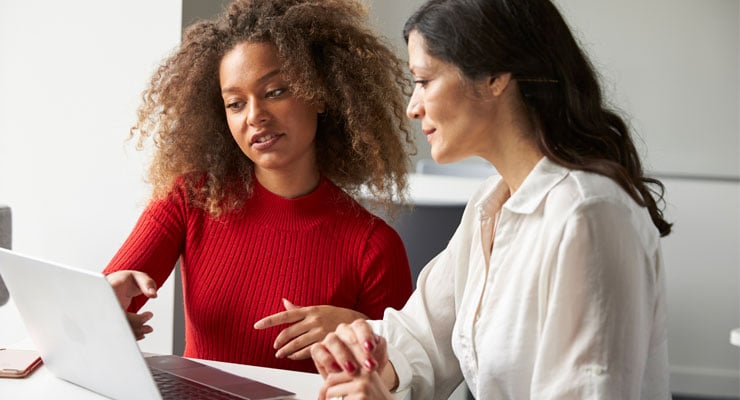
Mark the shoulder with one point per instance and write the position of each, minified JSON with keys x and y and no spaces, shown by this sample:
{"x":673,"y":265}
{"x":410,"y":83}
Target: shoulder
{"x":343,"y":206}
{"x":356,"y":216}
{"x":181,"y":196}
{"x":579,"y":189}
{"x":187,"y":185}
{"x":588,"y":196}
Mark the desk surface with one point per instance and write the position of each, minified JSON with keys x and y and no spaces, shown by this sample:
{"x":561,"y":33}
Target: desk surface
{"x":41,"y":384}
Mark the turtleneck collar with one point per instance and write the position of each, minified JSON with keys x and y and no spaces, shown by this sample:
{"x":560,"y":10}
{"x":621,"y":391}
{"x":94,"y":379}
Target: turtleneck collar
{"x":299,"y":213}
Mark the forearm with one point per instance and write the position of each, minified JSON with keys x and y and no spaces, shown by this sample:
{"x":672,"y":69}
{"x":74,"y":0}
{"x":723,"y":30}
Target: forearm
{"x":358,"y":315}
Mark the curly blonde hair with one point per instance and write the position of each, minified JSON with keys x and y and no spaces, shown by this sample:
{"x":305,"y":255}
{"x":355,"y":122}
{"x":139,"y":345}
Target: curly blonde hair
{"x":329,"y":56}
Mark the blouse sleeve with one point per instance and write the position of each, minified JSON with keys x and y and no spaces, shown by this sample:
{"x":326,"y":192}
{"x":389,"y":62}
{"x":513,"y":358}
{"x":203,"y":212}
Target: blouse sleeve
{"x":155,"y":243}
{"x":602,"y":305}
{"x":420,"y":335}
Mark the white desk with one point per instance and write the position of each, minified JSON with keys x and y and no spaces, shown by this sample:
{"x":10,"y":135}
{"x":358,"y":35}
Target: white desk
{"x":41,"y":384}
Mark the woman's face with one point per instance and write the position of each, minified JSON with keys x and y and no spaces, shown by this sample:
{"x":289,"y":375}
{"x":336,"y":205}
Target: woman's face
{"x":275,"y":129}
{"x":455,"y":121}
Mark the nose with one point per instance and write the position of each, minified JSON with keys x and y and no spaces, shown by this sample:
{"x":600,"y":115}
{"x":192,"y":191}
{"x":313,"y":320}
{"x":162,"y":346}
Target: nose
{"x":257,"y":114}
{"x":415,"y":108}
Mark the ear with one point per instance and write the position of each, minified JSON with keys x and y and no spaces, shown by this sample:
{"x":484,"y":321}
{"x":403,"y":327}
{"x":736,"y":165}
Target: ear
{"x":321,"y":107}
{"x":498,"y":84}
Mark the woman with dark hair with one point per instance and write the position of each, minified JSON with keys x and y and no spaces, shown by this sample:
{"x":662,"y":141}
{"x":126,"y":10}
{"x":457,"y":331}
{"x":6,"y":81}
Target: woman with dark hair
{"x":265,"y":122}
{"x":552,"y":287}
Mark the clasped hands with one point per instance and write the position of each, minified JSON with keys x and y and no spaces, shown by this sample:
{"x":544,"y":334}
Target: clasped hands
{"x":307,"y":325}
{"x":354,"y":364}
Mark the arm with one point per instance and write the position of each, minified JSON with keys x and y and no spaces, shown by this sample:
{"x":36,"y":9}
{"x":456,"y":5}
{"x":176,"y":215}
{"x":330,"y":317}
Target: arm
{"x":419,"y":336}
{"x":145,"y":260}
{"x":601,"y":308}
{"x":155,"y":243}
{"x":386,"y":281}
{"x":385,"y":274}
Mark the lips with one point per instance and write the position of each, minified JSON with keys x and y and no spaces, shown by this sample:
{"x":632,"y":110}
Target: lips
{"x":263,"y":137}
{"x":428,"y":133}
{"x":263,"y":141}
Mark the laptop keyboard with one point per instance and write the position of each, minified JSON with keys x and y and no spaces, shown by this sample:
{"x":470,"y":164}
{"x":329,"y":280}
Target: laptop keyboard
{"x":176,"y":388}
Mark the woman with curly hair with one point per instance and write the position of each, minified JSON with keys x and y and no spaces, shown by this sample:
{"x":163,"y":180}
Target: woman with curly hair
{"x":266,"y":121}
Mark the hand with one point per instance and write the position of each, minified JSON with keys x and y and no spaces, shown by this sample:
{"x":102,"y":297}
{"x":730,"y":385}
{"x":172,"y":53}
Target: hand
{"x":346,"y":386}
{"x":127,"y":285}
{"x":138,"y":323}
{"x":352,"y":349}
{"x":308,"y":326}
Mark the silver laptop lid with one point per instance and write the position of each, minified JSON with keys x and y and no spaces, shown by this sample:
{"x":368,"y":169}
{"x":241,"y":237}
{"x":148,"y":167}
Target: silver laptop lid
{"x":75,"y":321}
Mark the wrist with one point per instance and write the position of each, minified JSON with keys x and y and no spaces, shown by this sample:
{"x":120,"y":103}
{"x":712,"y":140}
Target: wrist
{"x":389,"y":376}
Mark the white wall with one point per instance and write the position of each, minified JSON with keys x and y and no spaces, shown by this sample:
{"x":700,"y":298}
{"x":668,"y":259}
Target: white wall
{"x":71,"y":74}
{"x":673,"y":68}
{"x":701,"y":258}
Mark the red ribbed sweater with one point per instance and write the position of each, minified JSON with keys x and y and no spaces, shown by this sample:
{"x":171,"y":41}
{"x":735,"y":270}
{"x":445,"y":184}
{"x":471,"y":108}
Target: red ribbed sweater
{"x":322,"y":248}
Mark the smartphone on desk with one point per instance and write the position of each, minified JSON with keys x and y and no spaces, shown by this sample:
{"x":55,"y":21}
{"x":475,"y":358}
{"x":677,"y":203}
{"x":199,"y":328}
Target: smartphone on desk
{"x":18,"y":363}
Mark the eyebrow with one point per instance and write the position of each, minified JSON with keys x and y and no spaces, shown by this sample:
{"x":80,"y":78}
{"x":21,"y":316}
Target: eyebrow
{"x":262,"y":79}
{"x":414,"y":68}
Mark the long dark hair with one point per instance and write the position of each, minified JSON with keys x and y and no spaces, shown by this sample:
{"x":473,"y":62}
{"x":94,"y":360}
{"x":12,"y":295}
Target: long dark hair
{"x":557,"y":84}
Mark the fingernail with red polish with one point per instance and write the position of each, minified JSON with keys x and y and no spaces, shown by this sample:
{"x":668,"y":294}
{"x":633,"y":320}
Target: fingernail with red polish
{"x":350,"y":366}
{"x":369,"y":346}
{"x":369,"y":363}
{"x":336,"y":367}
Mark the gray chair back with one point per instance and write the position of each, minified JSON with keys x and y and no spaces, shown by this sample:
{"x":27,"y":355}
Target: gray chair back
{"x":6,"y":240}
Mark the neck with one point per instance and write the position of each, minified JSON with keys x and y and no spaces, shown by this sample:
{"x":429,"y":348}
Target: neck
{"x":512,"y":151}
{"x":288,"y":184}
{"x":515,"y":166}
{"x":514,"y":156}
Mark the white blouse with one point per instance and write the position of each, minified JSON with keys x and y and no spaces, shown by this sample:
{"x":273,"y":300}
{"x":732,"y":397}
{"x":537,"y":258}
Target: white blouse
{"x":568,"y":301}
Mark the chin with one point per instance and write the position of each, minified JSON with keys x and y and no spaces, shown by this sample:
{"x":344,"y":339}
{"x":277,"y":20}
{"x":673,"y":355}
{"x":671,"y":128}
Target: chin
{"x":442,"y":158}
{"x":437,"y":156}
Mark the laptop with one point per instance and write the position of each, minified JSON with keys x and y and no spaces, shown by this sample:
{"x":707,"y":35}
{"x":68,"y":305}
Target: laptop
{"x":76,"y":323}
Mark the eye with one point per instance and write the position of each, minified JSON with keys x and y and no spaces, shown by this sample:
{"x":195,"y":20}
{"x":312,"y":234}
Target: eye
{"x":275,"y":93}
{"x":235,"y":105}
{"x":421,"y":82}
